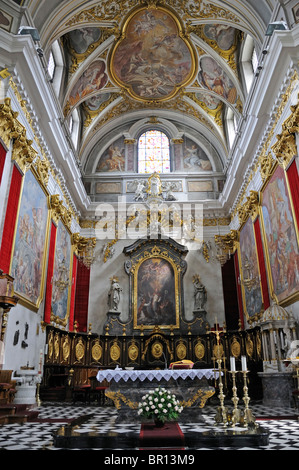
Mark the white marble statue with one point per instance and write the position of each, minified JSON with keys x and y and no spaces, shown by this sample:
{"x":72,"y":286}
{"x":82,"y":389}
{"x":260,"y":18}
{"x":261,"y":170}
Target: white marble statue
{"x":200,"y":293}
{"x":114,"y":294}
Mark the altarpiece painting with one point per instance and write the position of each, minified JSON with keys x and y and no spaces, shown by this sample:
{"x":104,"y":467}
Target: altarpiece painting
{"x":156,"y":270}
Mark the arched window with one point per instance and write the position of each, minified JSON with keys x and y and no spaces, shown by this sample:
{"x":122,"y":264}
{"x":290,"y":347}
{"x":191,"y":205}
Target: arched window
{"x":153,"y":152}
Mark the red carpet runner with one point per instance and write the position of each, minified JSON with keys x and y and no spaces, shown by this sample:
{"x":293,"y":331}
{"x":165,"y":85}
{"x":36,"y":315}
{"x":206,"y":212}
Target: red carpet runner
{"x":170,"y":436}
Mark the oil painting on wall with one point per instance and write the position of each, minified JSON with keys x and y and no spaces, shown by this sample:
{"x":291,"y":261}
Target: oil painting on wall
{"x":281,"y":237}
{"x":222,"y":34}
{"x":80,"y":39}
{"x":93,"y":79}
{"x":156,"y":293}
{"x":152,"y":60}
{"x":61,"y":271}
{"x":113,"y":159}
{"x":212,"y":77}
{"x":251,"y":287}
{"x":194,"y":157}
{"x":30,"y":241}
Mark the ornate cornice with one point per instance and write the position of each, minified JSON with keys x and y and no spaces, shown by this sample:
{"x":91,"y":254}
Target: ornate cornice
{"x":285,"y":148}
{"x":8,"y":121}
{"x":22,"y":151}
{"x":59,"y":211}
{"x":249,"y":208}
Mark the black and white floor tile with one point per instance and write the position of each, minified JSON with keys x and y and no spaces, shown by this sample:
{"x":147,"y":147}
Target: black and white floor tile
{"x":282,"y":425}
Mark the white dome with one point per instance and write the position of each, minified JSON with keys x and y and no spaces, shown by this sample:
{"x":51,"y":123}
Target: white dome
{"x":275,"y":312}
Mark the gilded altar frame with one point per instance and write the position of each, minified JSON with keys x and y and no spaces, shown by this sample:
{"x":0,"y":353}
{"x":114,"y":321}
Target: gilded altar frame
{"x":169,"y":255}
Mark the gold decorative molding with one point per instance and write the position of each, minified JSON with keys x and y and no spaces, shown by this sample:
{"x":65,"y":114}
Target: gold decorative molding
{"x":235,"y":347}
{"x":96,"y":351}
{"x":59,"y":211}
{"x":42,"y":168}
{"x":81,"y":243}
{"x":80,"y":350}
{"x":115,"y":351}
{"x":8,"y":120}
{"x":199,"y":350}
{"x":249,"y":208}
{"x":228,"y":241}
{"x":22,"y":151}
{"x":133,"y":351}
{"x":181,"y":350}
{"x":264,"y":162}
{"x":285,"y":148}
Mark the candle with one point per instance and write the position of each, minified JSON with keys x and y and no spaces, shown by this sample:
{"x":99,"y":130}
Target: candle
{"x":243,"y":362}
{"x":232,"y":364}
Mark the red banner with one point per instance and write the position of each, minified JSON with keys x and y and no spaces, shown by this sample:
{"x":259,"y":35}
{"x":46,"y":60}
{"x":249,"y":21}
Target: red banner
{"x":239,"y":292}
{"x":2,"y":160}
{"x":10,"y":220}
{"x":48,"y":299}
{"x":293,"y":179}
{"x":73,"y":293}
{"x":82,"y":296}
{"x":262,"y":264}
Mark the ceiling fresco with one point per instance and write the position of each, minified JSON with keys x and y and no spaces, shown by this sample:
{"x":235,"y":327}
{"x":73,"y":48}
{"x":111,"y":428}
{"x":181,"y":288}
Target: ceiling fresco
{"x":171,"y":59}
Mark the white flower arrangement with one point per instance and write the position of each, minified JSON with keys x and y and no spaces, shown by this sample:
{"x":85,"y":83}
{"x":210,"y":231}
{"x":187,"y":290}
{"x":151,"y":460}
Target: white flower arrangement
{"x":159,"y":404}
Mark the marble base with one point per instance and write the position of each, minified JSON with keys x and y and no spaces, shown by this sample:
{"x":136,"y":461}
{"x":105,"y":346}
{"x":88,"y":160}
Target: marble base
{"x":277,"y":388}
{"x":126,"y":397}
{"x":73,"y":437}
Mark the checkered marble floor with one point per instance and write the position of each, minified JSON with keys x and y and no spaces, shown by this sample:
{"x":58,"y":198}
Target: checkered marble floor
{"x":283,"y":430}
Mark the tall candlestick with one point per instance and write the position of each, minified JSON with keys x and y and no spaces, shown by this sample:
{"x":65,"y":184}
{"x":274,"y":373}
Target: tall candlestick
{"x":232,"y":364}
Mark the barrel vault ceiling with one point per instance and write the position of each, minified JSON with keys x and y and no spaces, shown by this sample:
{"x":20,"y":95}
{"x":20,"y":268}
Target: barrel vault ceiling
{"x":131,"y":62}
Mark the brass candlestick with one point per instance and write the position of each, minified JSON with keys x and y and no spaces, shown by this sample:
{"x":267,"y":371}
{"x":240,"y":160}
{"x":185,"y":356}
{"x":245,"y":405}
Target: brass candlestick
{"x":221,"y":416}
{"x":249,"y":419}
{"x":236,"y":412}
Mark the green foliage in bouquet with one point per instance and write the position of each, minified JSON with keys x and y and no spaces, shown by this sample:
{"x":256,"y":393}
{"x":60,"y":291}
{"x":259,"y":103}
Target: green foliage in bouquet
{"x":159,"y":404}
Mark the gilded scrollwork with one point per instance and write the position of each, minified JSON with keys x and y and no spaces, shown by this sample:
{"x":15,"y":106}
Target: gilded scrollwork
{"x":8,"y":122}
{"x":249,"y":208}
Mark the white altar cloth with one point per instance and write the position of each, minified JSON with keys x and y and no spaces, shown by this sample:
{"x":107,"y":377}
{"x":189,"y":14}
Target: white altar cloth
{"x":165,"y":374}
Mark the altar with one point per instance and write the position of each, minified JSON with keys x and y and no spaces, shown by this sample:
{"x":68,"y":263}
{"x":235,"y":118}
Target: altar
{"x":190,"y":386}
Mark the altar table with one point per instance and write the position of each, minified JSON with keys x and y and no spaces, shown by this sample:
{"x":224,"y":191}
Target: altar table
{"x":126,"y":388}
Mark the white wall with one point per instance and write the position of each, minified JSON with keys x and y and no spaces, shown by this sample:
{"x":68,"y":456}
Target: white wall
{"x":210,"y":274}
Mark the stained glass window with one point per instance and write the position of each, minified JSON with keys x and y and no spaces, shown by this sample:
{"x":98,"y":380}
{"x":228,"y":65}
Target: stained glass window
{"x":153,"y":152}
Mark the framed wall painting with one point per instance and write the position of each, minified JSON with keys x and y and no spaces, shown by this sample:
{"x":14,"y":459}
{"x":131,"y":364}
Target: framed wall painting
{"x":249,"y":271}
{"x":156,"y":268}
{"x":29,"y":258}
{"x":155,"y":293}
{"x":280,"y":239}
{"x":61,"y":272}
{"x":172,"y":59}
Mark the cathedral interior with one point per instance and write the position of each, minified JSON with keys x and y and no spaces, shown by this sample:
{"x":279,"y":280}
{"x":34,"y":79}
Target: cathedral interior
{"x":149,"y":207}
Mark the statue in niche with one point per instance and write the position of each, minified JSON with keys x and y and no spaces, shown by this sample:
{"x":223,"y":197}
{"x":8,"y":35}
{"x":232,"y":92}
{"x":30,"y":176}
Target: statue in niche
{"x":114,"y":294}
{"x":200,"y":293}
